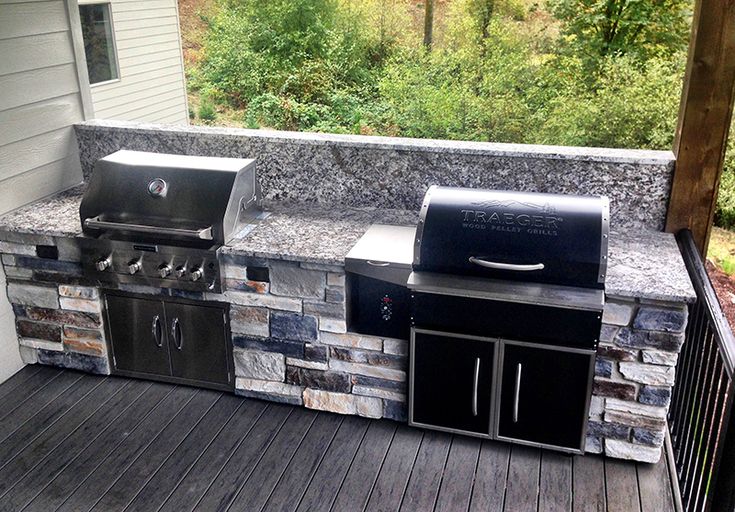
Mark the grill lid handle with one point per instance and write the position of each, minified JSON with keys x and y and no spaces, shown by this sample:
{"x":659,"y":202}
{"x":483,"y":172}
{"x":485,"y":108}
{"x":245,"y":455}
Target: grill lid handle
{"x":506,"y":266}
{"x":200,"y":234}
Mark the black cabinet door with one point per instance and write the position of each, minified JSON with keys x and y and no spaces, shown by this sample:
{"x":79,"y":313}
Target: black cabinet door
{"x":198,"y":343}
{"x":138,"y":335}
{"x":544,"y":395}
{"x":451,"y":382}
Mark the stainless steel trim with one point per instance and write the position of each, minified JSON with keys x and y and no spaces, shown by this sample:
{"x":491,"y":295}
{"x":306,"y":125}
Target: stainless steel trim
{"x":562,"y":348}
{"x":551,"y":295}
{"x":156,"y":330}
{"x":506,"y":266}
{"x":378,"y":263}
{"x":420,"y":226}
{"x":200,"y":234}
{"x":176,"y":334}
{"x":604,"y":239}
{"x":475,"y":384}
{"x":517,"y":392}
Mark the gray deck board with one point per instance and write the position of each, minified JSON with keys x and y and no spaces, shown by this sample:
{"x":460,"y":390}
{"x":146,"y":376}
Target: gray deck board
{"x":304,"y":464}
{"x":200,"y":476}
{"x":77,"y":442}
{"x":51,"y":494}
{"x":365,"y":467}
{"x":127,"y":486}
{"x":621,"y":487}
{"x":588,"y":484}
{"x":393,"y":478}
{"x":423,"y":485}
{"x":522,"y":488}
{"x":327,"y":480}
{"x":459,"y":472}
{"x":48,"y":455}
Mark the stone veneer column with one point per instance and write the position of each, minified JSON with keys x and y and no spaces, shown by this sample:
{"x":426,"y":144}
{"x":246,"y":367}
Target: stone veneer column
{"x":58,"y":321}
{"x":634,"y":374}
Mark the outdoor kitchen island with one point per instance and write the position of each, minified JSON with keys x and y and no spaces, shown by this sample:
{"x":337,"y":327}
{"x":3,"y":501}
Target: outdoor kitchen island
{"x":289,"y":329}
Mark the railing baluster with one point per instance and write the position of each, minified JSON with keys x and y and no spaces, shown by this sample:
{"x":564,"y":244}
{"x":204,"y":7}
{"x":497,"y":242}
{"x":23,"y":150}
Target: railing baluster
{"x":701,"y":407}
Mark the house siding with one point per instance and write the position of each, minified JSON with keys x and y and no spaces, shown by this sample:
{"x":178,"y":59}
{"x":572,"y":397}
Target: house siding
{"x":41,"y":99}
{"x":151,"y":87}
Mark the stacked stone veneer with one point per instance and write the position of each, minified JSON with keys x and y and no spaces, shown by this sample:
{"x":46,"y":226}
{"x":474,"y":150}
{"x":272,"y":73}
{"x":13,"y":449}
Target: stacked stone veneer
{"x":634,"y":374}
{"x":291,"y":343}
{"x":58,"y":320}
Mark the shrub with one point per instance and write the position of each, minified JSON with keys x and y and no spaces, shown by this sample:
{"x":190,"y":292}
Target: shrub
{"x":207,"y":111}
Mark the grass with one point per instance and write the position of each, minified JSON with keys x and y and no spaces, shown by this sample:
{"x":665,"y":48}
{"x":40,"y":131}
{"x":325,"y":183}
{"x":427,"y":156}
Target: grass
{"x":721,"y":250}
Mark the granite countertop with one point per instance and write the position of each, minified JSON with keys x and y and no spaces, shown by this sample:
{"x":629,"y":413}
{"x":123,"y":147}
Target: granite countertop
{"x":642,"y":264}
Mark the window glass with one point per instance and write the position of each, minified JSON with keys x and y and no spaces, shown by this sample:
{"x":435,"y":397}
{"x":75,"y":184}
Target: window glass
{"x":98,"y":43}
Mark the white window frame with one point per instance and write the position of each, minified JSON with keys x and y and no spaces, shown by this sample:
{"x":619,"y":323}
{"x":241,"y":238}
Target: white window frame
{"x":114,"y":41}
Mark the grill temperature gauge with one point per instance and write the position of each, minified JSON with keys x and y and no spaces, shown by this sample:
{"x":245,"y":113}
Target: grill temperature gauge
{"x":386,"y":308}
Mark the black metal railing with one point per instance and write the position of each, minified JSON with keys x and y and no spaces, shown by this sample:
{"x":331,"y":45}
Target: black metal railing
{"x":700,"y":416}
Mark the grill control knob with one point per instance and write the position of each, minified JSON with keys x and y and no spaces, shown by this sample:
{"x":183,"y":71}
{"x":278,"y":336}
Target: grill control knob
{"x":180,"y":271}
{"x":134,"y":266}
{"x":196,"y":273}
{"x":103,"y":264}
{"x":164,"y":270}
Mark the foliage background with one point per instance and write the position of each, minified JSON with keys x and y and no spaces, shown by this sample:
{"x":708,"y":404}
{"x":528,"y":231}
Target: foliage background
{"x":566,"y":72}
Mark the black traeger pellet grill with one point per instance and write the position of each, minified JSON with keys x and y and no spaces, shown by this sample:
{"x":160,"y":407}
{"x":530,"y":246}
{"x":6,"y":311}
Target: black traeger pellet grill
{"x":507,"y":297}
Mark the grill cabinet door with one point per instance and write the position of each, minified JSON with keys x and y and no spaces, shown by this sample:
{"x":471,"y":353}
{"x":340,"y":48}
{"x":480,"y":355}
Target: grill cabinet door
{"x":451,"y":382}
{"x":544,"y":395}
{"x":198,"y":343}
{"x":138,"y":333}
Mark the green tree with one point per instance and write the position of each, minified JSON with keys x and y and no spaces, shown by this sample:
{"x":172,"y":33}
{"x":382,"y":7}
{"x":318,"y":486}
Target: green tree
{"x":597,"y":28}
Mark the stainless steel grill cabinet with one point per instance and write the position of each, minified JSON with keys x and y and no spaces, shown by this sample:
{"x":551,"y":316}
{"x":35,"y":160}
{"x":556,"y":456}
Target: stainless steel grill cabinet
{"x":507,"y":293}
{"x":542,"y":238}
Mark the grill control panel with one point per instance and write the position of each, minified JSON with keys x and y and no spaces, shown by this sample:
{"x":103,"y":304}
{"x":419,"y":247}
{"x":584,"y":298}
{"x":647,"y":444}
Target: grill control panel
{"x":115,"y":262}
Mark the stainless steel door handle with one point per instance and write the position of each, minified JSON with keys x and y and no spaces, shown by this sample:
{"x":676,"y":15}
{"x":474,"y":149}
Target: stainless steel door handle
{"x":517,"y":392}
{"x":176,"y":334}
{"x":476,"y":382}
{"x":199,"y":234}
{"x":506,"y":266}
{"x":378,"y":263}
{"x":156,"y":330}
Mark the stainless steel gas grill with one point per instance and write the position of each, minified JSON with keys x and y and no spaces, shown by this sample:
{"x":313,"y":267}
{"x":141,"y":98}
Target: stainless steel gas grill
{"x":507,"y":298}
{"x":160,"y":219}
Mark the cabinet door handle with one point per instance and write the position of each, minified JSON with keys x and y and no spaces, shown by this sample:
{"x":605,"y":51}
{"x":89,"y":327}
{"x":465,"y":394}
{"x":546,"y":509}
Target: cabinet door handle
{"x":517,"y":392}
{"x":156,"y":331}
{"x":475,"y":384}
{"x":176,"y":334}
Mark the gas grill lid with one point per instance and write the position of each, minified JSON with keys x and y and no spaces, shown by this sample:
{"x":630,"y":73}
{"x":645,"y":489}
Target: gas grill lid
{"x":543,"y":238}
{"x":154,"y":196}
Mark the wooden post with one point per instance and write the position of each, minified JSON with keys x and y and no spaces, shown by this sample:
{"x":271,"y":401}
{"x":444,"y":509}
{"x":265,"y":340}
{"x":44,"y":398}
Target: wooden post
{"x":704,"y":119}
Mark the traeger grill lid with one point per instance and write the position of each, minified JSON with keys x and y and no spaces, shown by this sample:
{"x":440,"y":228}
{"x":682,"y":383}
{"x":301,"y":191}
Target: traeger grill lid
{"x":170,"y":197}
{"x":521,"y":236}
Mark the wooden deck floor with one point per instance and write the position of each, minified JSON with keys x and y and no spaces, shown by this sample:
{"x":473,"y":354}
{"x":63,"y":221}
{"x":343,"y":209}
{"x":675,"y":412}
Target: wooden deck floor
{"x":76,"y":442}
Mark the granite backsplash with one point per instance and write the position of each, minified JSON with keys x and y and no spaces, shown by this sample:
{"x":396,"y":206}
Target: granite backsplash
{"x":394,"y":173}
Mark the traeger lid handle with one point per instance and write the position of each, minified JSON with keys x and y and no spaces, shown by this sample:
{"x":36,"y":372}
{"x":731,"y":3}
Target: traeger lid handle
{"x":506,"y":266}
